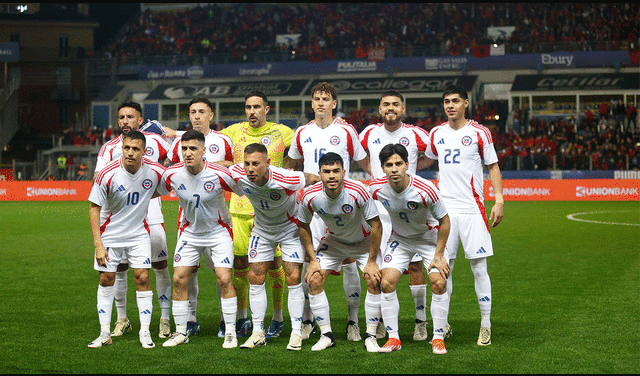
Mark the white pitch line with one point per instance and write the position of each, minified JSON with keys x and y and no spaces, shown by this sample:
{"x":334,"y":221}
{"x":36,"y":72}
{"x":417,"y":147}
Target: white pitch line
{"x":572,"y":217}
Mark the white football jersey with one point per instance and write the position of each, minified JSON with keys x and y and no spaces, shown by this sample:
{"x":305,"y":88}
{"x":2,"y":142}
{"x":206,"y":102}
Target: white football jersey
{"x":124,"y":199}
{"x":310,"y":142}
{"x":203,"y":211}
{"x":274,"y":203}
{"x":415,"y":211}
{"x":218,"y":148}
{"x":375,"y":137}
{"x":156,"y":151}
{"x":460,"y":154}
{"x":345,"y":216}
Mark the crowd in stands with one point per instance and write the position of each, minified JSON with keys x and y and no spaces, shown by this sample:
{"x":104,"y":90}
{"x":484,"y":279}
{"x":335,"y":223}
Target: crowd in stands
{"x":326,"y":27}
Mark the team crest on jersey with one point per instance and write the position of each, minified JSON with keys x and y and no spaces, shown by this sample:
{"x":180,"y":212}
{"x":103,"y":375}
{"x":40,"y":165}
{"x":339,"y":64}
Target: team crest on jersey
{"x":334,"y":140}
{"x":147,"y":184}
{"x":412,"y":205}
{"x":275,"y":196}
{"x":404,"y":141}
{"x":265,"y":141}
{"x":214,"y":149}
{"x":208,"y":186}
{"x":149,"y":151}
{"x":387,"y":258}
{"x":346,"y":208}
{"x":177,"y":258}
{"x":466,"y":140}
{"x":253,"y":253}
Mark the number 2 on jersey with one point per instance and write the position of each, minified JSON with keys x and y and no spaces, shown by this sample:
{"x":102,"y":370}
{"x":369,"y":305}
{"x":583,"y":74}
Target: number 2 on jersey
{"x":454,"y":154}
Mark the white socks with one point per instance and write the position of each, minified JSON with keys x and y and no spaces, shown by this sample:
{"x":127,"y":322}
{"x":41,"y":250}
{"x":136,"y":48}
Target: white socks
{"x":120,"y":293}
{"x":229,"y":307}
{"x":419,"y":293}
{"x":483,"y":289}
{"x":352,"y":289}
{"x":295,"y":304}
{"x":105,"y":307}
{"x":390,"y":307}
{"x":144,"y":300}
{"x":372,"y":312}
{"x":180,"y":310}
{"x":193,"y":296}
{"x":163,"y":288}
{"x":439,"y":314}
{"x":320,"y":308}
{"x":258,"y":306}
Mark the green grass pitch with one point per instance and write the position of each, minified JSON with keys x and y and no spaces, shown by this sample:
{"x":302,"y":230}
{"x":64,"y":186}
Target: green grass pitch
{"x":566,"y":299}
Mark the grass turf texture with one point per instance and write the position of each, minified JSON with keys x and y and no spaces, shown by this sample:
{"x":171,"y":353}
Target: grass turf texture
{"x":566,"y":300}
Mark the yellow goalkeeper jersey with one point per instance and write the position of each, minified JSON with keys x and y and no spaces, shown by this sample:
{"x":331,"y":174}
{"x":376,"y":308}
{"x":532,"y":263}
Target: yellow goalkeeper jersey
{"x":275,"y":137}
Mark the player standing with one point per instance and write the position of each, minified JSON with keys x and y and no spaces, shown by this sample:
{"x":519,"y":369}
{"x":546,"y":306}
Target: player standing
{"x":130,"y":119}
{"x":354,"y":230}
{"x":119,"y":199}
{"x":461,"y":147}
{"x":218,"y":148}
{"x":322,"y":135}
{"x":273,"y":193}
{"x":204,"y":229}
{"x":420,"y":226}
{"x":373,"y":138}
{"x":276,"y":138}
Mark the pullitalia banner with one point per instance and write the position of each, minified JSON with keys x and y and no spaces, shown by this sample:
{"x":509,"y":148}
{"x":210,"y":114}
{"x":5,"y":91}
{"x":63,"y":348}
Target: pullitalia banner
{"x":570,"y":82}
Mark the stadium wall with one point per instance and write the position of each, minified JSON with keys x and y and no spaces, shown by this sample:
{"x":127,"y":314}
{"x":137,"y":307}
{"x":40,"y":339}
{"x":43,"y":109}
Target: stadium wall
{"x":513,"y":190}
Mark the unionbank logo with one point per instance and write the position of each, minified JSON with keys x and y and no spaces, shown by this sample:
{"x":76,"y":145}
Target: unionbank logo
{"x":605,"y":191}
{"x":33,"y":192}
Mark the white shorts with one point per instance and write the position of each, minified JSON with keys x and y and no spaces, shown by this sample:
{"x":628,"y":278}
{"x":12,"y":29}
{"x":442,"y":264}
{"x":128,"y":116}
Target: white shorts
{"x":158,"y":244}
{"x":400,"y":251}
{"x":262,"y":246}
{"x":139,"y":256}
{"x":473,"y":232}
{"x":331,"y":253}
{"x":387,"y":228}
{"x":217,"y":253}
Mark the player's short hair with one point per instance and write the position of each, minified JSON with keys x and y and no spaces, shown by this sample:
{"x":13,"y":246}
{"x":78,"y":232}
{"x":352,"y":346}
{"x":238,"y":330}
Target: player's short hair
{"x":192,"y":134}
{"x":136,"y":135}
{"x":455,"y":89}
{"x":135,"y":105}
{"x":257,"y":93}
{"x":324,"y":87}
{"x":329,"y":159}
{"x":391,"y":149}
{"x":202,"y":100}
{"x":256,"y":147}
{"x":392,"y":93}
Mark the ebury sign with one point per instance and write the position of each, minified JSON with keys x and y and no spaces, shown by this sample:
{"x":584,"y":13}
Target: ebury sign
{"x":435,"y":84}
{"x":571,"y":82}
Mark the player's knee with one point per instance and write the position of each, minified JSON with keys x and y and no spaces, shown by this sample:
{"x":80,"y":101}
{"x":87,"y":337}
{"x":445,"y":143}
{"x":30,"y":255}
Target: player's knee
{"x":387,"y":285}
{"x":438,"y":284}
{"x":107,"y":279}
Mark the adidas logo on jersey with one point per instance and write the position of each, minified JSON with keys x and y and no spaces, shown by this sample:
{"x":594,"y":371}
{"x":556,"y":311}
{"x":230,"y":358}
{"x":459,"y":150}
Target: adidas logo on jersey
{"x":308,"y":140}
{"x":481,"y":250}
{"x":182,"y":187}
{"x":162,"y":253}
{"x":377,"y":141}
{"x":121,"y":189}
{"x":386,"y":203}
{"x":146,"y":262}
{"x":146,"y":312}
{"x":226,"y":261}
{"x":441,"y":142}
{"x":320,"y":211}
{"x":102,"y":311}
{"x":163,"y":297}
{"x":295,"y":255}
